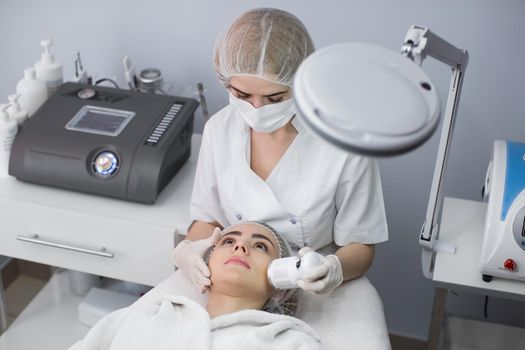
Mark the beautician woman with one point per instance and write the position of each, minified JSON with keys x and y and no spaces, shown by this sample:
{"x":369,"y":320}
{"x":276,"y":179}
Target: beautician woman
{"x":258,"y":162}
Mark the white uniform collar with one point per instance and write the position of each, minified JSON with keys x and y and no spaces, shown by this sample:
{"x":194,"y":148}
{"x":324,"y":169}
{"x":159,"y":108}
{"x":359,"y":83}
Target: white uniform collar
{"x":298,"y":124}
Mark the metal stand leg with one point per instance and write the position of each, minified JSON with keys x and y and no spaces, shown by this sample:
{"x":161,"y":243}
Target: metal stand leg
{"x":4,"y":260}
{"x":3,"y":308}
{"x":438,"y":316}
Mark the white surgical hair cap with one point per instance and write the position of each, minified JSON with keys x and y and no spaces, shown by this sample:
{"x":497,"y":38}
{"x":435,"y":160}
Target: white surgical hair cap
{"x":265,"y":43}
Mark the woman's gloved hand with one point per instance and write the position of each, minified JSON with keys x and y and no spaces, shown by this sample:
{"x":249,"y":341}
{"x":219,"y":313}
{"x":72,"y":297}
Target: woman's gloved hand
{"x":188,"y":256}
{"x":323,"y":278}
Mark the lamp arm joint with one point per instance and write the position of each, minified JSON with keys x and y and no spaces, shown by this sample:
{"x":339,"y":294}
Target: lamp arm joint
{"x":421,"y":42}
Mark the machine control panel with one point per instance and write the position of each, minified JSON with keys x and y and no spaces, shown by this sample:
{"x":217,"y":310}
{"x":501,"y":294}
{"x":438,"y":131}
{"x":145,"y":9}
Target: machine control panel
{"x":163,"y":125}
{"x":518,"y":228}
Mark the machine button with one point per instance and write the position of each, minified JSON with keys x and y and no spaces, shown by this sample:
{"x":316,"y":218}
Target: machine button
{"x":510,"y":265}
{"x":293,"y":221}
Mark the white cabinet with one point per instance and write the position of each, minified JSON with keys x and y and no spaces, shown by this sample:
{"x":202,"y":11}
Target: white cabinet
{"x":67,"y":229}
{"x":133,"y":251}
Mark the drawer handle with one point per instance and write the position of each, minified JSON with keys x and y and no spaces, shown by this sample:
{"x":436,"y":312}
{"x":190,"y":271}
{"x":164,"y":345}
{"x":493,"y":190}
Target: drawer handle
{"x":36,"y":240}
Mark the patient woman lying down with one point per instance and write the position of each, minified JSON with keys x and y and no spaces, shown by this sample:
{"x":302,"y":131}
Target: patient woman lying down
{"x":242,"y":312}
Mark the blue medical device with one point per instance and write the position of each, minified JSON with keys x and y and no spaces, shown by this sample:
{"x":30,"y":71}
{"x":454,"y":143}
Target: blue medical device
{"x":503,"y":246}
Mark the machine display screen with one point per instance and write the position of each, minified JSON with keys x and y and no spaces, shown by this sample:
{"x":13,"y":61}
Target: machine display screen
{"x":99,"y":120}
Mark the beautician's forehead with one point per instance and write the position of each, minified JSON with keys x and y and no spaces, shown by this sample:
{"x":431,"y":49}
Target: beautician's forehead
{"x":253,"y":228}
{"x":253,"y":85}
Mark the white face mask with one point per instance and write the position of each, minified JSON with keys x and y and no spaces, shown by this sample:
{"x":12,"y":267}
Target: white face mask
{"x":268,"y":118}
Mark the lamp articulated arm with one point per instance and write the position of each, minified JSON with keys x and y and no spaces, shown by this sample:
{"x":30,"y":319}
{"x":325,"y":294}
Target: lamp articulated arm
{"x":420,"y":42}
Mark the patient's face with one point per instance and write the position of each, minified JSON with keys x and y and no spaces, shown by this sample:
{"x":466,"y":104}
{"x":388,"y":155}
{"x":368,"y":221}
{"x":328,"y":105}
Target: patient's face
{"x":239,"y":261}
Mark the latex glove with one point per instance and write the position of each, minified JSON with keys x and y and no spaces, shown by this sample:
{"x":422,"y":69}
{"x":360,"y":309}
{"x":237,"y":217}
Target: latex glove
{"x":189,"y":257}
{"x":323,"y":278}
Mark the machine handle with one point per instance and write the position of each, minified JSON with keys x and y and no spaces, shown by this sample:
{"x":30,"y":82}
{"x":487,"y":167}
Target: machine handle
{"x":36,"y":240}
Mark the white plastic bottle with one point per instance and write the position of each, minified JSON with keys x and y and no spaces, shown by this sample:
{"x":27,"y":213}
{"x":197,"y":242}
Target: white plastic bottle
{"x":48,"y":69}
{"x":15,"y":111}
{"x":8,"y":130}
{"x":32,"y":91}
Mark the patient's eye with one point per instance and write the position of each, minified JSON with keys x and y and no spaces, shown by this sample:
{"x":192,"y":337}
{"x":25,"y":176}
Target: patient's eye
{"x":228,"y":241}
{"x":262,"y":246}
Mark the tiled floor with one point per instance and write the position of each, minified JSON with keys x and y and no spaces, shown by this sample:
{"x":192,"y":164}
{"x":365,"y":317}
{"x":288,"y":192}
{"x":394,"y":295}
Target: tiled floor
{"x":23,"y":289}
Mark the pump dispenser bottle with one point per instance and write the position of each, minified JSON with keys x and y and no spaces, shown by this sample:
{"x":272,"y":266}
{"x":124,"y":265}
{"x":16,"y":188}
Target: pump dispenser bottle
{"x":48,"y":69}
{"x":15,"y":111}
{"x":8,"y":130}
{"x":32,"y":91}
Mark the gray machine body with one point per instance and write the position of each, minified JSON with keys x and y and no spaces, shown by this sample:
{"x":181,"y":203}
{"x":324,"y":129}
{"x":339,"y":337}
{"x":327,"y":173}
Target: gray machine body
{"x":149,"y":149}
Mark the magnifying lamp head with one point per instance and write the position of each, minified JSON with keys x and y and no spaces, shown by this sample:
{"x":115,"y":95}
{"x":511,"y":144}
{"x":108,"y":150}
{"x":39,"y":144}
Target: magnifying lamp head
{"x":366,"y":99}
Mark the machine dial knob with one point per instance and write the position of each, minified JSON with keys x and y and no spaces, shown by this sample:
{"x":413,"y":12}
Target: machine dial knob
{"x":86,"y":94}
{"x":105,"y":163}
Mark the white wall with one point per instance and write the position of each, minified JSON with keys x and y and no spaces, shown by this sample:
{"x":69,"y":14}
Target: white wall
{"x":178,"y":38}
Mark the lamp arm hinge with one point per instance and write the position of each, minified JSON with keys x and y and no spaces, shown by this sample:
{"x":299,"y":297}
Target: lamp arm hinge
{"x":421,"y":42}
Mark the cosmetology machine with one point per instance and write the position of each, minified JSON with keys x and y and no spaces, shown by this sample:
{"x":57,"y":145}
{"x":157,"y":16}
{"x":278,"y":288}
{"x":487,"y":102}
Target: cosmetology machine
{"x":117,"y":143}
{"x":503,"y":247}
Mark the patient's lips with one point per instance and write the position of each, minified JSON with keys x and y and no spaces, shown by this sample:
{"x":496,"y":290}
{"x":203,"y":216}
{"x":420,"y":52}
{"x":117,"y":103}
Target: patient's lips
{"x":238,"y":260}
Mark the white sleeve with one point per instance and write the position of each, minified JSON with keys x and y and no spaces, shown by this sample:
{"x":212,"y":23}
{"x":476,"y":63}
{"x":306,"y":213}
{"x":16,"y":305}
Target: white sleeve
{"x":359,"y":203}
{"x":205,"y":202}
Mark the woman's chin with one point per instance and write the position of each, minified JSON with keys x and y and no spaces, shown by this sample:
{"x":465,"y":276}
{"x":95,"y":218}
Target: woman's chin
{"x":237,"y":277}
{"x":236,"y":281}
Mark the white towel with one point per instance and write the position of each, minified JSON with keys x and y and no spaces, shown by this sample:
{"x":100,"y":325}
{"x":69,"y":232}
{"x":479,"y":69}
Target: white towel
{"x":177,"y":322}
{"x":254,"y":329}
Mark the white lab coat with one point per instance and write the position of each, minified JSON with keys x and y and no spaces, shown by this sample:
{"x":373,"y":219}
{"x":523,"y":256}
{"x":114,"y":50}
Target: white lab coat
{"x":316,"y":194}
